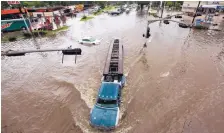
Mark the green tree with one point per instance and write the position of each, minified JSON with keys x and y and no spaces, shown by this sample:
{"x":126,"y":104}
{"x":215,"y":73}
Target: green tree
{"x":102,"y":4}
{"x":155,"y":3}
{"x":176,"y":4}
{"x":4,"y":5}
{"x":169,"y":3}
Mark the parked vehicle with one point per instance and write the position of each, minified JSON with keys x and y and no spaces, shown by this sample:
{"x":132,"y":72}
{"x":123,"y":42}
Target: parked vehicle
{"x":178,"y":16}
{"x":166,"y":22}
{"x":198,"y":14}
{"x":122,"y":9}
{"x":168,"y":17}
{"x":97,"y":8}
{"x":89,"y":40}
{"x":68,"y":12}
{"x":182,"y":25}
{"x":127,"y":10}
{"x":195,"y":14}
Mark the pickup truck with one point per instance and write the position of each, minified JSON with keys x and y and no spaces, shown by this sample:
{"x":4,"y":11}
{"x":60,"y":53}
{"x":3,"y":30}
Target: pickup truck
{"x":105,"y":113}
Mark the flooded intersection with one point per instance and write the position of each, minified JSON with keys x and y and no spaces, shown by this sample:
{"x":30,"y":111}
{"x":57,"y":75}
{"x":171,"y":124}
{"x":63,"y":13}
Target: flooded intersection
{"x":175,"y":84}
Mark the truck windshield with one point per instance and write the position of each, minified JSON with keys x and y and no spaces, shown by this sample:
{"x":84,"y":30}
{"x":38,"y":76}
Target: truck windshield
{"x":102,"y":101}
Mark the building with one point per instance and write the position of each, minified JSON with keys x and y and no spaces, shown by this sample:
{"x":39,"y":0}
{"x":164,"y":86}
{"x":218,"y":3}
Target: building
{"x":191,"y":6}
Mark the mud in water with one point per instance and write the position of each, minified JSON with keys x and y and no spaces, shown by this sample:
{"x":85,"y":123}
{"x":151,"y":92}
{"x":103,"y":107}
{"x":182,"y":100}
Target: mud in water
{"x":174,"y":85}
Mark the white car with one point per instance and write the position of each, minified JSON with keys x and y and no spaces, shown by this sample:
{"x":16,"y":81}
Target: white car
{"x":89,"y":40}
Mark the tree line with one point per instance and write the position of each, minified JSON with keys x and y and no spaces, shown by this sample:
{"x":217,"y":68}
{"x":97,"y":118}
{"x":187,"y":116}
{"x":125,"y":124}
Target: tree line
{"x":36,"y":4}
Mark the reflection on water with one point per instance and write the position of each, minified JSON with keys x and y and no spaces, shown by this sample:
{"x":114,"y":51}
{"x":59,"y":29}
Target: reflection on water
{"x":178,"y":78}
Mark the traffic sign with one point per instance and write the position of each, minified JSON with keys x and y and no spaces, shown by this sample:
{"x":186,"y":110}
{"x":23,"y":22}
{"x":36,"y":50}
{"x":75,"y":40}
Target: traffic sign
{"x":13,"y":2}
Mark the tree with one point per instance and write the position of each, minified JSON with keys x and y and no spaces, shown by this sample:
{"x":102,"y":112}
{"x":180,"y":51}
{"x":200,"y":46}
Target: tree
{"x":155,"y":3}
{"x":4,"y":5}
{"x":102,"y":4}
{"x":176,"y":4}
{"x":169,"y":3}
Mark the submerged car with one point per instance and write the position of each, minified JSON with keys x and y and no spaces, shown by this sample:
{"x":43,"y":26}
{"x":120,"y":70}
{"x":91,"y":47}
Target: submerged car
{"x":115,"y":12}
{"x":105,"y":113}
{"x":89,"y":40}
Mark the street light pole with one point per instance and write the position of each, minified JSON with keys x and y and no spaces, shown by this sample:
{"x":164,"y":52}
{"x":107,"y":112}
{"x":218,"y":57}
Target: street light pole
{"x":163,"y":4}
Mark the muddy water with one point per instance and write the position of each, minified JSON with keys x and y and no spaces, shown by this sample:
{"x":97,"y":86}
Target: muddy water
{"x":175,"y":84}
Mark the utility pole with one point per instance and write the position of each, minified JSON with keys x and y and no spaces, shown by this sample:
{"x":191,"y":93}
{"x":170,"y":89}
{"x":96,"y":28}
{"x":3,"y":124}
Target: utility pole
{"x":27,"y":27}
{"x":196,"y":12}
{"x":163,"y":4}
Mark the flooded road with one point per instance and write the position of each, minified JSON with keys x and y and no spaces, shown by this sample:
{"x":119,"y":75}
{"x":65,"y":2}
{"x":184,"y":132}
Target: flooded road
{"x":174,"y":85}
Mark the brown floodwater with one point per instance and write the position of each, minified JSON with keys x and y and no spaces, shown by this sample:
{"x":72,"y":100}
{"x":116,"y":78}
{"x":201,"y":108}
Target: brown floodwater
{"x":174,"y":85}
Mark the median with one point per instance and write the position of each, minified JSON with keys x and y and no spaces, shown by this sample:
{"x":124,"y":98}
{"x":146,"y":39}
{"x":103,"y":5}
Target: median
{"x":15,"y":36}
{"x":106,"y":9}
{"x":85,"y":18}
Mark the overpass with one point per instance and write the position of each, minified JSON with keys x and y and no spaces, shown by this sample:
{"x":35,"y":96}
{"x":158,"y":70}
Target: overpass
{"x":142,"y":3}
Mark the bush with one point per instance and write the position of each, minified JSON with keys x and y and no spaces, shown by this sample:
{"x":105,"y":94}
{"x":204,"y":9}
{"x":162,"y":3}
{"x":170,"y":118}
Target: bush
{"x":84,"y":17}
{"x":200,"y":27}
{"x":27,"y":35}
{"x":42,"y":33}
{"x":155,"y":15}
{"x":11,"y":39}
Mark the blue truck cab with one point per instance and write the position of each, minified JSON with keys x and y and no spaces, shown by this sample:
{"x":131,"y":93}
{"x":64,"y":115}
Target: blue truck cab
{"x":105,"y":113}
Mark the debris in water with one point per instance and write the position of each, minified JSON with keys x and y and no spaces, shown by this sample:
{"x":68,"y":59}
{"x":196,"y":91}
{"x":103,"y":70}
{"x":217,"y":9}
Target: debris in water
{"x":165,"y":74}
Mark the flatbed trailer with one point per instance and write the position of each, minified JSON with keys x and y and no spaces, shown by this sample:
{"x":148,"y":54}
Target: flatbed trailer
{"x":113,"y":69}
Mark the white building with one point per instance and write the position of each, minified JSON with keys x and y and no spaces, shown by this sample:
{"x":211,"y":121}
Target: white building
{"x":191,"y":6}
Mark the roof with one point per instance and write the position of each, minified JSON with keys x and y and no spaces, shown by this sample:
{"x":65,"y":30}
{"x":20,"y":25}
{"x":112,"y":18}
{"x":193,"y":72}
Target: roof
{"x":109,"y":90}
{"x":210,"y":6}
{"x":10,"y":11}
{"x":46,"y":9}
{"x":220,"y":7}
{"x":87,"y":37}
